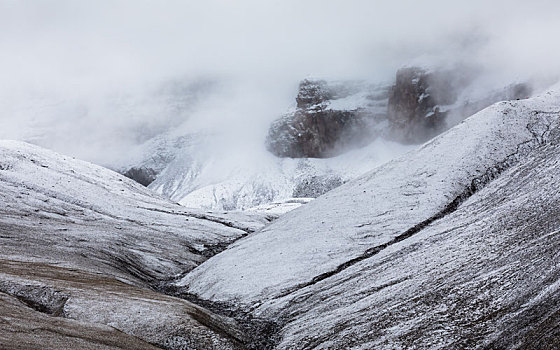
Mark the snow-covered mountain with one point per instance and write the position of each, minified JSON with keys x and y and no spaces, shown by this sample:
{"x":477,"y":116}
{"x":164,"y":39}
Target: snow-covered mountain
{"x":412,"y":189}
{"x":452,"y":245}
{"x":42,"y":188}
{"x":229,"y":181}
{"x":337,"y":131}
{"x":86,"y":247}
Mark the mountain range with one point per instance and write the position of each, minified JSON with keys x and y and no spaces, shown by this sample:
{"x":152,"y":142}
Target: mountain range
{"x":448,"y":244}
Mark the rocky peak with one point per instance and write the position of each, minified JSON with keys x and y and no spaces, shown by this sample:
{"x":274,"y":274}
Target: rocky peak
{"x":312,"y":92}
{"x":416,"y":106}
{"x":424,"y":103}
{"x":325,"y":123}
{"x":319,"y":127}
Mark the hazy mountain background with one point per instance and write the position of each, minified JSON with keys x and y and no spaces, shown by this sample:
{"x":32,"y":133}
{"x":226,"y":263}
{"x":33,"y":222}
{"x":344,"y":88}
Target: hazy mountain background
{"x":96,"y":79}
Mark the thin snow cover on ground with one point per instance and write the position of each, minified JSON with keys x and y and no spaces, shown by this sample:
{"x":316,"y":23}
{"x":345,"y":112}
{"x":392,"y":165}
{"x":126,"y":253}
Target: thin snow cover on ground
{"x":482,"y":277}
{"x":89,"y":308}
{"x":93,"y":217}
{"x":223,"y":180}
{"x":376,"y":209}
{"x":86,"y":244}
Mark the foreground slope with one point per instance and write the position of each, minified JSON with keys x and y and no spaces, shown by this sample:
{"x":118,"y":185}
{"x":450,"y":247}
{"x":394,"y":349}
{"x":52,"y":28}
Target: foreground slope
{"x":84,"y":249}
{"x":94,"y":218}
{"x":485,"y":276}
{"x":453,"y":245}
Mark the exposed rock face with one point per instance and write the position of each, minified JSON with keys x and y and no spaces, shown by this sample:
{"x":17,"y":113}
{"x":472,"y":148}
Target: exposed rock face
{"x":420,"y":105}
{"x":317,"y":133}
{"x":329,"y":119}
{"x":313,"y":92}
{"x":315,"y":129}
{"x":144,"y":176}
{"x":421,"y":101}
{"x":415,"y":101}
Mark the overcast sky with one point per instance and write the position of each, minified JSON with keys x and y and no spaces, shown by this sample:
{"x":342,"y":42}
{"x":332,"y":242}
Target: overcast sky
{"x":73,"y":54}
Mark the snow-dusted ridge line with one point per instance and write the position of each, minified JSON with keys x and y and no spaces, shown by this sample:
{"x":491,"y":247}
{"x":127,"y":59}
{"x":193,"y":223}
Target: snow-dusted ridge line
{"x":476,"y":184}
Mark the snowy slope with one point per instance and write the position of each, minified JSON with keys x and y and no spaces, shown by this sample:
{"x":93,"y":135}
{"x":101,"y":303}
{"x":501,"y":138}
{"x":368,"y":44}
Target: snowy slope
{"x":452,"y":246}
{"x":482,"y":277}
{"x":82,"y":242}
{"x":378,"y":208}
{"x":86,"y":207}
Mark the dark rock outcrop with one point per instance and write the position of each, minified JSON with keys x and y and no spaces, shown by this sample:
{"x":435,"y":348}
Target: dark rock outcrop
{"x":317,"y":133}
{"x":144,"y":176}
{"x":41,"y":298}
{"x":414,"y":108}
{"x":313,"y":92}
{"x":315,"y":130}
{"x":420,"y":105}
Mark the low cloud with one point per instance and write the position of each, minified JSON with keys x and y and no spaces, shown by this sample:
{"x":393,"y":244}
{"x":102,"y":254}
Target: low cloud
{"x":83,"y":77}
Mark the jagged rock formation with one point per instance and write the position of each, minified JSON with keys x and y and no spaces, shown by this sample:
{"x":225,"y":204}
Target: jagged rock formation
{"x":334,"y":117}
{"x":416,"y":100}
{"x":421,"y":101}
{"x":453,"y":245}
{"x":316,"y":129}
{"x":330,"y":119}
{"x":313,"y":93}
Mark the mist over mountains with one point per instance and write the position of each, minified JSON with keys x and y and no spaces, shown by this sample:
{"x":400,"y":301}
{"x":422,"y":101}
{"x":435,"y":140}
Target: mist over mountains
{"x":102,"y":72}
{"x":258,"y":175}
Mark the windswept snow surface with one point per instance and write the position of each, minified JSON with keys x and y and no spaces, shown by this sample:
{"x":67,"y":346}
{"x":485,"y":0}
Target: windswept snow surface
{"x":376,"y":210}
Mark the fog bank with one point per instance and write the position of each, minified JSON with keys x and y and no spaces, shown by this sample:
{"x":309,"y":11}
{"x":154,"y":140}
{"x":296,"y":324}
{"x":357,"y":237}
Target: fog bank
{"x":94,"y":79}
